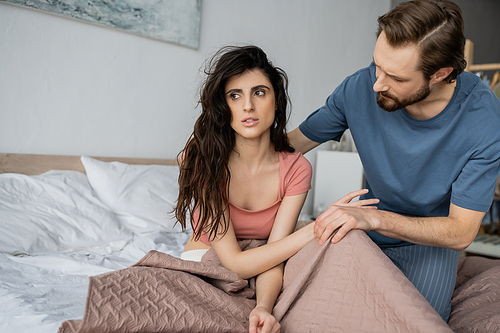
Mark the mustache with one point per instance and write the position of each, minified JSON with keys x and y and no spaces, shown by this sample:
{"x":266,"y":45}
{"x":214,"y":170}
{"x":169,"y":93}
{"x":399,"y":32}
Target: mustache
{"x":386,"y":94}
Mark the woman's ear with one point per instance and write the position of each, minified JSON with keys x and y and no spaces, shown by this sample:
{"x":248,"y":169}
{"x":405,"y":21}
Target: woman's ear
{"x":441,"y":74}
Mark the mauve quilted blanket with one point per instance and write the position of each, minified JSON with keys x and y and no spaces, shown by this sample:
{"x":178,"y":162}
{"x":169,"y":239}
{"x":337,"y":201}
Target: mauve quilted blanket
{"x":475,"y":304}
{"x":347,"y":287}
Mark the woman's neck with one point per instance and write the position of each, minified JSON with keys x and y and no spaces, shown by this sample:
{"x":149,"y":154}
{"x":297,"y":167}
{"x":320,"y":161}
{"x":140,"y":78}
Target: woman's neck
{"x":253,"y":154}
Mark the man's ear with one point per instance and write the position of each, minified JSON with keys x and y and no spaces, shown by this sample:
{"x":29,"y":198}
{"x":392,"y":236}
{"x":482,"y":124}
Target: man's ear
{"x":441,"y":74}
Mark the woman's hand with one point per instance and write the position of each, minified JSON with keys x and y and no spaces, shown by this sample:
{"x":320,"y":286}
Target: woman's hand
{"x":261,"y":321}
{"x":346,"y":215}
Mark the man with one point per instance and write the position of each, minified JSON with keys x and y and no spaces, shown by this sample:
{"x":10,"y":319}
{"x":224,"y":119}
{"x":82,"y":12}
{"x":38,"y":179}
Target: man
{"x":428,"y":135}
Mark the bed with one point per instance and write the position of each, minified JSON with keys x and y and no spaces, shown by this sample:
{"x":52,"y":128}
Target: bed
{"x":67,"y":219}
{"x":46,"y":206}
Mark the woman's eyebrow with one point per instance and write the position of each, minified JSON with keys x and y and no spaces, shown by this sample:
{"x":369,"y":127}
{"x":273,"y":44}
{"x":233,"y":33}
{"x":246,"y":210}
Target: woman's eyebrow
{"x":233,"y":91}
{"x":260,"y":86}
{"x":238,"y":90}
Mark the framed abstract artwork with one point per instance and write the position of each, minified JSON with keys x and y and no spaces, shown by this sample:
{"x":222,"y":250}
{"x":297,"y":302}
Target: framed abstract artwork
{"x":175,"y":21}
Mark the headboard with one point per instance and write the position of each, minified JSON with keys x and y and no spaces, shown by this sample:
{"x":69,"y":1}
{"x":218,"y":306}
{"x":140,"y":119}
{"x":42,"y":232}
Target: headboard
{"x":30,"y":164}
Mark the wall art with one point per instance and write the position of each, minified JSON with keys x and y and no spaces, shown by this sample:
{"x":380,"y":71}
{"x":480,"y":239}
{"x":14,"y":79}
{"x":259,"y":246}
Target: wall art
{"x":176,"y":21}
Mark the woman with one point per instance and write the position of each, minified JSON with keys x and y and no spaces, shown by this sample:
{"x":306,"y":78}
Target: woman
{"x":240,"y":178}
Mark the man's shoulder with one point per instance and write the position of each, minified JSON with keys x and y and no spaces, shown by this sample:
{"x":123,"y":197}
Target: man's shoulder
{"x":360,"y":81}
{"x":476,"y":95}
{"x":357,"y":83}
{"x":363,"y":73}
{"x":471,"y":84}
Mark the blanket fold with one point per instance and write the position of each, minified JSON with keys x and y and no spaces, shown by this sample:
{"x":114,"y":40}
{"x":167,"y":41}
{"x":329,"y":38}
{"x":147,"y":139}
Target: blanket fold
{"x":475,"y":304}
{"x":350,"y":286}
{"x":162,"y":293}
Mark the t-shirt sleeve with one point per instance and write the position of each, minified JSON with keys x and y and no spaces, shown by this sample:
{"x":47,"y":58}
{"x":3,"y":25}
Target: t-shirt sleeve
{"x":475,"y":187}
{"x":299,"y":175}
{"x":329,"y":121}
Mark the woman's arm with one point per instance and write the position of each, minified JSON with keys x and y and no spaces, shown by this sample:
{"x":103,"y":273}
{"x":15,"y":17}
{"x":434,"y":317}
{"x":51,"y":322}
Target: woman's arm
{"x":281,"y":244}
{"x":255,"y":261}
{"x":269,"y":283}
{"x":268,"y":287}
{"x":266,"y":261}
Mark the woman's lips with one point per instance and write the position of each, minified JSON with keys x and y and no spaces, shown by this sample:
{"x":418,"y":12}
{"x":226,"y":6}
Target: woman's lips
{"x":249,"y":121}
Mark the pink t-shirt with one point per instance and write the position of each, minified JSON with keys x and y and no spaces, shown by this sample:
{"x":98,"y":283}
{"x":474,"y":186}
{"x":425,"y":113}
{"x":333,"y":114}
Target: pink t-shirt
{"x":295,"y":178}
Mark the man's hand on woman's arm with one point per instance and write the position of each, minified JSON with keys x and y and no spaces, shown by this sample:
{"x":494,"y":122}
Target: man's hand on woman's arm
{"x":345,"y":215}
{"x":455,"y":231}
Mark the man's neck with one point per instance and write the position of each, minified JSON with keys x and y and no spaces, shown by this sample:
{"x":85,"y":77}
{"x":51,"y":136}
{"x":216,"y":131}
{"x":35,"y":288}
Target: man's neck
{"x":438,"y":99}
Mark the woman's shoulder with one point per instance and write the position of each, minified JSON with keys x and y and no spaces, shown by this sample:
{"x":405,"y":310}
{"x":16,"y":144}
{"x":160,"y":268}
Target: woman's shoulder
{"x":294,"y":163}
{"x":291,"y":158}
{"x":295,"y":174}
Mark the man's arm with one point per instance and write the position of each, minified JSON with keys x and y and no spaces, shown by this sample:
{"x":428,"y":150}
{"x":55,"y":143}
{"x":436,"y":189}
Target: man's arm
{"x":455,"y":231}
{"x":300,"y":142}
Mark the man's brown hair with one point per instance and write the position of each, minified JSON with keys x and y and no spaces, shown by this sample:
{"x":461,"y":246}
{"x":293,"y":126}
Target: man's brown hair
{"x":435,"y":26}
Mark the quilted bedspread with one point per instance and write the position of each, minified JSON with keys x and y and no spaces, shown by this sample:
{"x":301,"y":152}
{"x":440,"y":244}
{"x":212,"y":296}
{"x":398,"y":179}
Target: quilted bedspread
{"x":475,"y":304}
{"x":347,"y":287}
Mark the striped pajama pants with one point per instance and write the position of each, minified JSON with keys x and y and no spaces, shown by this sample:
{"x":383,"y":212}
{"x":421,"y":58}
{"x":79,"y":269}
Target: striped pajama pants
{"x":432,"y":270}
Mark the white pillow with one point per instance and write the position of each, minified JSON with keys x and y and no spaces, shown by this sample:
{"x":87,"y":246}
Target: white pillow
{"x":141,"y":196}
{"x":56,"y":212}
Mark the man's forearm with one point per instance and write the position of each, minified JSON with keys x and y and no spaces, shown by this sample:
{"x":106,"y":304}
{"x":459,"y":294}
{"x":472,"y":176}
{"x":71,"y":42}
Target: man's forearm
{"x":454,"y":232}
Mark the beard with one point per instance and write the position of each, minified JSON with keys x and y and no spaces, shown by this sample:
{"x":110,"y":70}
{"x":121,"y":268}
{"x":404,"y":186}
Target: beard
{"x":393,"y":103}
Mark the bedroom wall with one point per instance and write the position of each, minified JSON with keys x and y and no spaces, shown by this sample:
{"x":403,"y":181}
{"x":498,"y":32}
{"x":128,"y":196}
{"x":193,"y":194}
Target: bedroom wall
{"x":69,"y":87}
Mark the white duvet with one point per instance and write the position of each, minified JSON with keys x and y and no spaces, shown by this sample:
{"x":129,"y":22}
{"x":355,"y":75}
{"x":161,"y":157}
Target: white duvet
{"x":37,"y":293}
{"x":61,"y":227}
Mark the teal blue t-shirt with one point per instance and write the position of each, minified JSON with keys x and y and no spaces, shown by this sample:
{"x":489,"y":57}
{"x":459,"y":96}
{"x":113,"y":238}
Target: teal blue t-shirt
{"x":417,"y":167}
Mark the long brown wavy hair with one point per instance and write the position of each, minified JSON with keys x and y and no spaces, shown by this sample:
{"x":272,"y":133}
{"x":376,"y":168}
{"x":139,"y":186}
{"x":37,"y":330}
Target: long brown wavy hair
{"x":204,"y":172}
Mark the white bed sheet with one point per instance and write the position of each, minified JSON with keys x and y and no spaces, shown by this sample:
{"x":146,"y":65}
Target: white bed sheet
{"x":56,"y":231}
{"x":39,"y":292}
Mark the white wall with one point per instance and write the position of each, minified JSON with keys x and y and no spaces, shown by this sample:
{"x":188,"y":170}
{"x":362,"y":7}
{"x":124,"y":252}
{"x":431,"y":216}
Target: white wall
{"x":68,"y":87}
